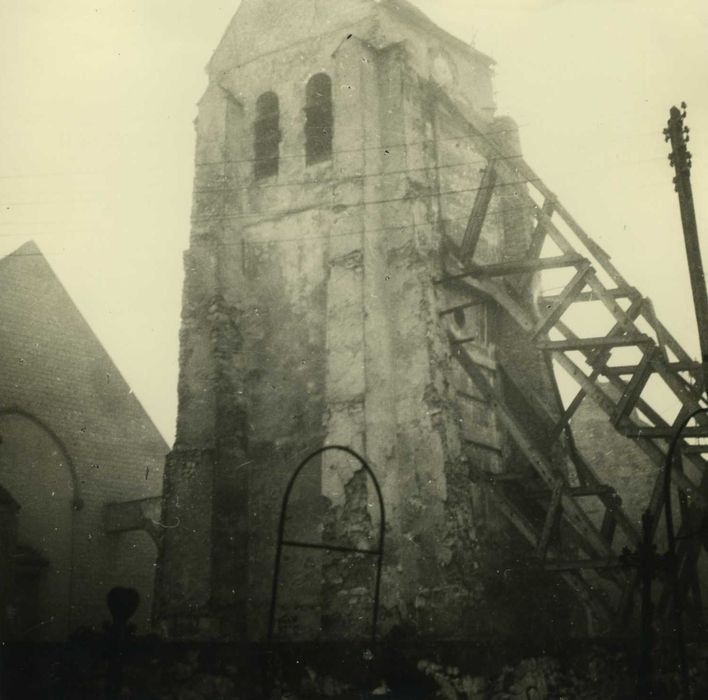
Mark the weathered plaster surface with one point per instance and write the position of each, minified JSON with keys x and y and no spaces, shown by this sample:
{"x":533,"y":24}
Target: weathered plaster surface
{"x":310,"y":317}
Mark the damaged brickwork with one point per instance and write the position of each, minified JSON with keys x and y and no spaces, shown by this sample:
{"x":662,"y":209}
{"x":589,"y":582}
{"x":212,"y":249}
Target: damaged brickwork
{"x":311,"y":317}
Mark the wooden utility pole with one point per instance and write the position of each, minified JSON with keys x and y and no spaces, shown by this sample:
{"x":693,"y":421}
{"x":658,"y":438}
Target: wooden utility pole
{"x":680,"y":159}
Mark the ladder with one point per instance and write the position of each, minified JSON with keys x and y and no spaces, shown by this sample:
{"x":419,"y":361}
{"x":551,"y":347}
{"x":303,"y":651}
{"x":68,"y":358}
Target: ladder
{"x":620,"y":370}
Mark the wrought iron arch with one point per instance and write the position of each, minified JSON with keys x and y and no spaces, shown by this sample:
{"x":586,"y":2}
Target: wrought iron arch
{"x":282,"y":542}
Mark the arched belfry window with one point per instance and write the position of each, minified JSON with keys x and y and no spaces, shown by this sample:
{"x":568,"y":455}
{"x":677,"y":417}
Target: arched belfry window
{"x":266,"y":136}
{"x":319,"y":120}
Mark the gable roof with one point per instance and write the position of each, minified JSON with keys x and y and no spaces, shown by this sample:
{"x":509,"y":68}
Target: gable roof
{"x":49,"y":353}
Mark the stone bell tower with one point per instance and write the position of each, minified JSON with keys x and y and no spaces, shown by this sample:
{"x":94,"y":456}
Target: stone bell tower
{"x":332,"y":158}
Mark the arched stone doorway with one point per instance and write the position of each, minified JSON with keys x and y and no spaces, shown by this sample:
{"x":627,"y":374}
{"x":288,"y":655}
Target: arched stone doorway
{"x":37,"y":471}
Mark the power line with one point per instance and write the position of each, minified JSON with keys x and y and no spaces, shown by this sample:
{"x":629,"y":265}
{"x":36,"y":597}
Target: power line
{"x":283,"y":212}
{"x":361,"y":231}
{"x":384,"y":148}
{"x":258,"y":186}
{"x":462,"y":137}
{"x":344,"y":234}
{"x":323,"y":205}
{"x":255,"y":215}
{"x":282,"y":156}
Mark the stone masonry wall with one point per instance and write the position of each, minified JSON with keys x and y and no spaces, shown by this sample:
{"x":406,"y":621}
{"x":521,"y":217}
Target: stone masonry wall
{"x":310,"y":317}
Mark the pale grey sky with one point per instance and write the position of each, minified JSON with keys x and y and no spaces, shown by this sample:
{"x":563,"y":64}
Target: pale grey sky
{"x":97,"y":99}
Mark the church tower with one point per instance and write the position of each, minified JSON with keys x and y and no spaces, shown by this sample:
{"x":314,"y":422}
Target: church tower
{"x":334,"y":163}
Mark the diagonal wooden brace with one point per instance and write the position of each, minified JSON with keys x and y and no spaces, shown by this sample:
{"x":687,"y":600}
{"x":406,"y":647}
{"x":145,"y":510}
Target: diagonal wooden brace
{"x":478,"y":213}
{"x":634,"y":389}
{"x":573,"y":513}
{"x":565,"y":299}
{"x":552,"y":517}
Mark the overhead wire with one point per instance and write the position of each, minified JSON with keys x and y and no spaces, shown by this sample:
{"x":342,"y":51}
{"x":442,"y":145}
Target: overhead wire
{"x":284,"y":156}
{"x":263,"y":185}
{"x":279,"y":213}
{"x":361,"y":231}
{"x":343,"y":234}
{"x":287,"y":156}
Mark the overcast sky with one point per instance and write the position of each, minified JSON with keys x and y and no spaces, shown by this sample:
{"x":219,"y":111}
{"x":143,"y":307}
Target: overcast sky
{"x":97,"y":99}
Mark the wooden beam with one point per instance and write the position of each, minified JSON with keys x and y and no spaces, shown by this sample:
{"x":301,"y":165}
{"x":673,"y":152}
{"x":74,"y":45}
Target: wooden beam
{"x":573,"y":406}
{"x":460,"y":307}
{"x":538,"y":238}
{"x":585,"y":591}
{"x":604,"y":341}
{"x":694,"y":449}
{"x":517,"y":166}
{"x":509,"y":373}
{"x":512,"y":167}
{"x":618,"y":370}
{"x":639,"y":431}
{"x":615,"y":293}
{"x":549,"y":525}
{"x":634,"y":388}
{"x":565,"y":299}
{"x":614,"y":514}
{"x":610,"y":499}
{"x":514,"y":267}
{"x":609,"y":526}
{"x":522,"y":169}
{"x":653,"y":451}
{"x":478,"y":213}
{"x":599,"y":358}
{"x":667,"y":340}
{"x":574,"y":515}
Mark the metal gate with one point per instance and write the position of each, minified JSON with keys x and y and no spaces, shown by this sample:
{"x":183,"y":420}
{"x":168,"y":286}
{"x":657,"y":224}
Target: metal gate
{"x":282,"y":542}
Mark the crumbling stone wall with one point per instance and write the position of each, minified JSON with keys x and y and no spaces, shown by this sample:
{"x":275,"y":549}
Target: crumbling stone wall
{"x":310,"y":317}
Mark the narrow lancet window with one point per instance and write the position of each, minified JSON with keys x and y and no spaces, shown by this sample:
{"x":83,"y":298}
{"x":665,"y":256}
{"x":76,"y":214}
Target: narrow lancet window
{"x":319,"y":122}
{"x":266,"y":143}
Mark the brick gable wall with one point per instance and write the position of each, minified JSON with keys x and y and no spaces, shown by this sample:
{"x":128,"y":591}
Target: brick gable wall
{"x":56,"y":377}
